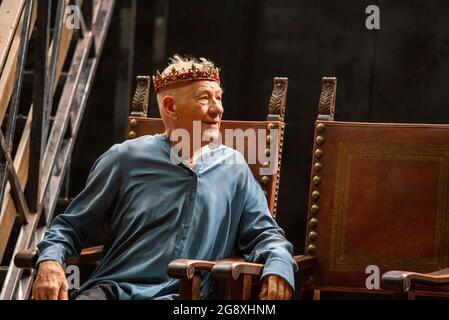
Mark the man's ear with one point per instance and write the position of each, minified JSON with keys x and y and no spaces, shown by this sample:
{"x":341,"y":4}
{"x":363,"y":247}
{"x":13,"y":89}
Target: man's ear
{"x":168,"y":103}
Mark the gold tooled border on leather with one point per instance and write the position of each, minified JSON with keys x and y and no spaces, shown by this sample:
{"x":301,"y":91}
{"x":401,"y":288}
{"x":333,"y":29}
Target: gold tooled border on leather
{"x":339,"y":261}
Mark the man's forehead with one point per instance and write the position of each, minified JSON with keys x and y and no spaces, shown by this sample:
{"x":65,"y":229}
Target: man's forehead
{"x":206,"y":85}
{"x":192,"y":86}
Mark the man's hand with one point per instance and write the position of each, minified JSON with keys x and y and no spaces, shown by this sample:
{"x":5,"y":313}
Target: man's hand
{"x":275,"y":288}
{"x":50,"y":283}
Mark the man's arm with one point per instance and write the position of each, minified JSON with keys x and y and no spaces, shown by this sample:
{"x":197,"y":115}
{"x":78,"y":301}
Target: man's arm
{"x":260,"y":238}
{"x":68,"y":231}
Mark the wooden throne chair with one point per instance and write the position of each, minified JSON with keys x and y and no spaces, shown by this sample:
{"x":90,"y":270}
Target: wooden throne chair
{"x":139,"y":124}
{"x":378,"y":201}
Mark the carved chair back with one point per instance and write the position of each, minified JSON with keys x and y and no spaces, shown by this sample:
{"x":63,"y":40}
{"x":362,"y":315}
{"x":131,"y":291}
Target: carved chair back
{"x":378,"y":201}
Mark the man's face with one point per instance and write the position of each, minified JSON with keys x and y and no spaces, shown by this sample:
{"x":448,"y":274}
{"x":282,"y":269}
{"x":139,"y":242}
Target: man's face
{"x":200,"y":101}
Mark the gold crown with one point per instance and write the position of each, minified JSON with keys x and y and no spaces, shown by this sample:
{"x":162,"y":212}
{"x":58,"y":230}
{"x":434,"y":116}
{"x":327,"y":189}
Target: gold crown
{"x":193,"y":73}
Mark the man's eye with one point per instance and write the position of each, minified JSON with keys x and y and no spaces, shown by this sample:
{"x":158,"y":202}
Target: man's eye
{"x":219,"y":98}
{"x":204,"y":97}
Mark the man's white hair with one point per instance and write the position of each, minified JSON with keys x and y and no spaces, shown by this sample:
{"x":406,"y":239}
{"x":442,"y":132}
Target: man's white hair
{"x":178,"y":62}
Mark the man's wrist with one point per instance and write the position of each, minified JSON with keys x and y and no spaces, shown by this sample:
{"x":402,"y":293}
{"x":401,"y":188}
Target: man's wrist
{"x":47,"y":262}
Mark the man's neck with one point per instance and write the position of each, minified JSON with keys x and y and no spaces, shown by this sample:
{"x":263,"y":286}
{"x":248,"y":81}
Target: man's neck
{"x":195,"y":151}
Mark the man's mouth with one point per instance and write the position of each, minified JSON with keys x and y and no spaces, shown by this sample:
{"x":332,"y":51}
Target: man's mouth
{"x":211,"y":123}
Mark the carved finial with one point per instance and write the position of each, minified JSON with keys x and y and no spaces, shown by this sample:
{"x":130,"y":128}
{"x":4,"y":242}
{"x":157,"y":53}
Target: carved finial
{"x":326,"y":105}
{"x":278,"y":99}
{"x":141,"y":97}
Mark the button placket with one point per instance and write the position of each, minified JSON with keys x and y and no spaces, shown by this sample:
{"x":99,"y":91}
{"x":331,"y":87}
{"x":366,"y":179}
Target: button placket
{"x":184,"y":231}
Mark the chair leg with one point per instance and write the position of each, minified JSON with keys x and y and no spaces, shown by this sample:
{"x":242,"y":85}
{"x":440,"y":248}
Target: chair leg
{"x":241,"y":288}
{"x":189,"y":289}
{"x":307,"y":294}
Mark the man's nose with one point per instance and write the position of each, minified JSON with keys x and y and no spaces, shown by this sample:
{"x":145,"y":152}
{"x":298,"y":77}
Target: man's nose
{"x":216,"y":108}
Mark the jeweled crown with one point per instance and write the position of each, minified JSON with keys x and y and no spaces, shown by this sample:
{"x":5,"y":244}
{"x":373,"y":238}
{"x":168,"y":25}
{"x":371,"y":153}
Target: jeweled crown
{"x":208,"y":72}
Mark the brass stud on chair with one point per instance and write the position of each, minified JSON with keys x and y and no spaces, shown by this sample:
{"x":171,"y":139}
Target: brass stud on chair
{"x":319,"y":140}
{"x":313,"y":222}
{"x":319,"y":153}
{"x":269,"y":139}
{"x":316,"y":180}
{"x":317,"y":166}
{"x":265,"y":180}
{"x":316,"y":195}
{"x":133,"y":123}
{"x":320,"y":127}
{"x":311,"y":249}
{"x":132,"y":134}
{"x":314,"y":208}
{"x":267,"y":152}
{"x":272,"y":125}
{"x":266,"y":164}
{"x":313,"y":235}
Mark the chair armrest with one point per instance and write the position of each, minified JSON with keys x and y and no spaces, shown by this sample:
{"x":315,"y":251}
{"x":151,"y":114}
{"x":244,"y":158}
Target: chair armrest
{"x":188,"y":271}
{"x":403,"y":281}
{"x":305,"y":262}
{"x":26,"y":259}
{"x":231,"y":269}
{"x":186,"y":268}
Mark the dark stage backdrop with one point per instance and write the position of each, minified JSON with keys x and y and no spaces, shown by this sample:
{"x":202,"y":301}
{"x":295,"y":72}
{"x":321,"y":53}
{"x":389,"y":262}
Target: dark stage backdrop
{"x":396,"y":74}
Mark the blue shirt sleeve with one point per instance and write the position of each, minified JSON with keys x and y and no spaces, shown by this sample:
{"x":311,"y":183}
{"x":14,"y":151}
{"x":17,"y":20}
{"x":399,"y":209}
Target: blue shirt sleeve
{"x":86,"y":212}
{"x":260,"y":238}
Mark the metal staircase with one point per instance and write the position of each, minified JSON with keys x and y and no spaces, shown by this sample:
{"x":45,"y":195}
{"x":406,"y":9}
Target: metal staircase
{"x":34,"y":159}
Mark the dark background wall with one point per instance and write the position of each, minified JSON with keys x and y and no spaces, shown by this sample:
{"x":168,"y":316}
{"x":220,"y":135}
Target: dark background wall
{"x":396,"y":74}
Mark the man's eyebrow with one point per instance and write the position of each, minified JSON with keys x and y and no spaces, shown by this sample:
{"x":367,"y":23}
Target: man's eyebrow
{"x":201,"y":91}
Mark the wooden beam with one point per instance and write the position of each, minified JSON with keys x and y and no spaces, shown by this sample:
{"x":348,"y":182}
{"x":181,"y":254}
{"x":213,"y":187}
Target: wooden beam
{"x":16,"y":188}
{"x":7,"y":76}
{"x":10,"y":15}
{"x":8,"y":212}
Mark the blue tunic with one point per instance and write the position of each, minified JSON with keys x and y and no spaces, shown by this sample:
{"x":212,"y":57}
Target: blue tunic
{"x":160,"y":210}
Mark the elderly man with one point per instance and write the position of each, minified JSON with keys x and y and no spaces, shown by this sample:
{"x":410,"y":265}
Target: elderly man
{"x":161,"y":205}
